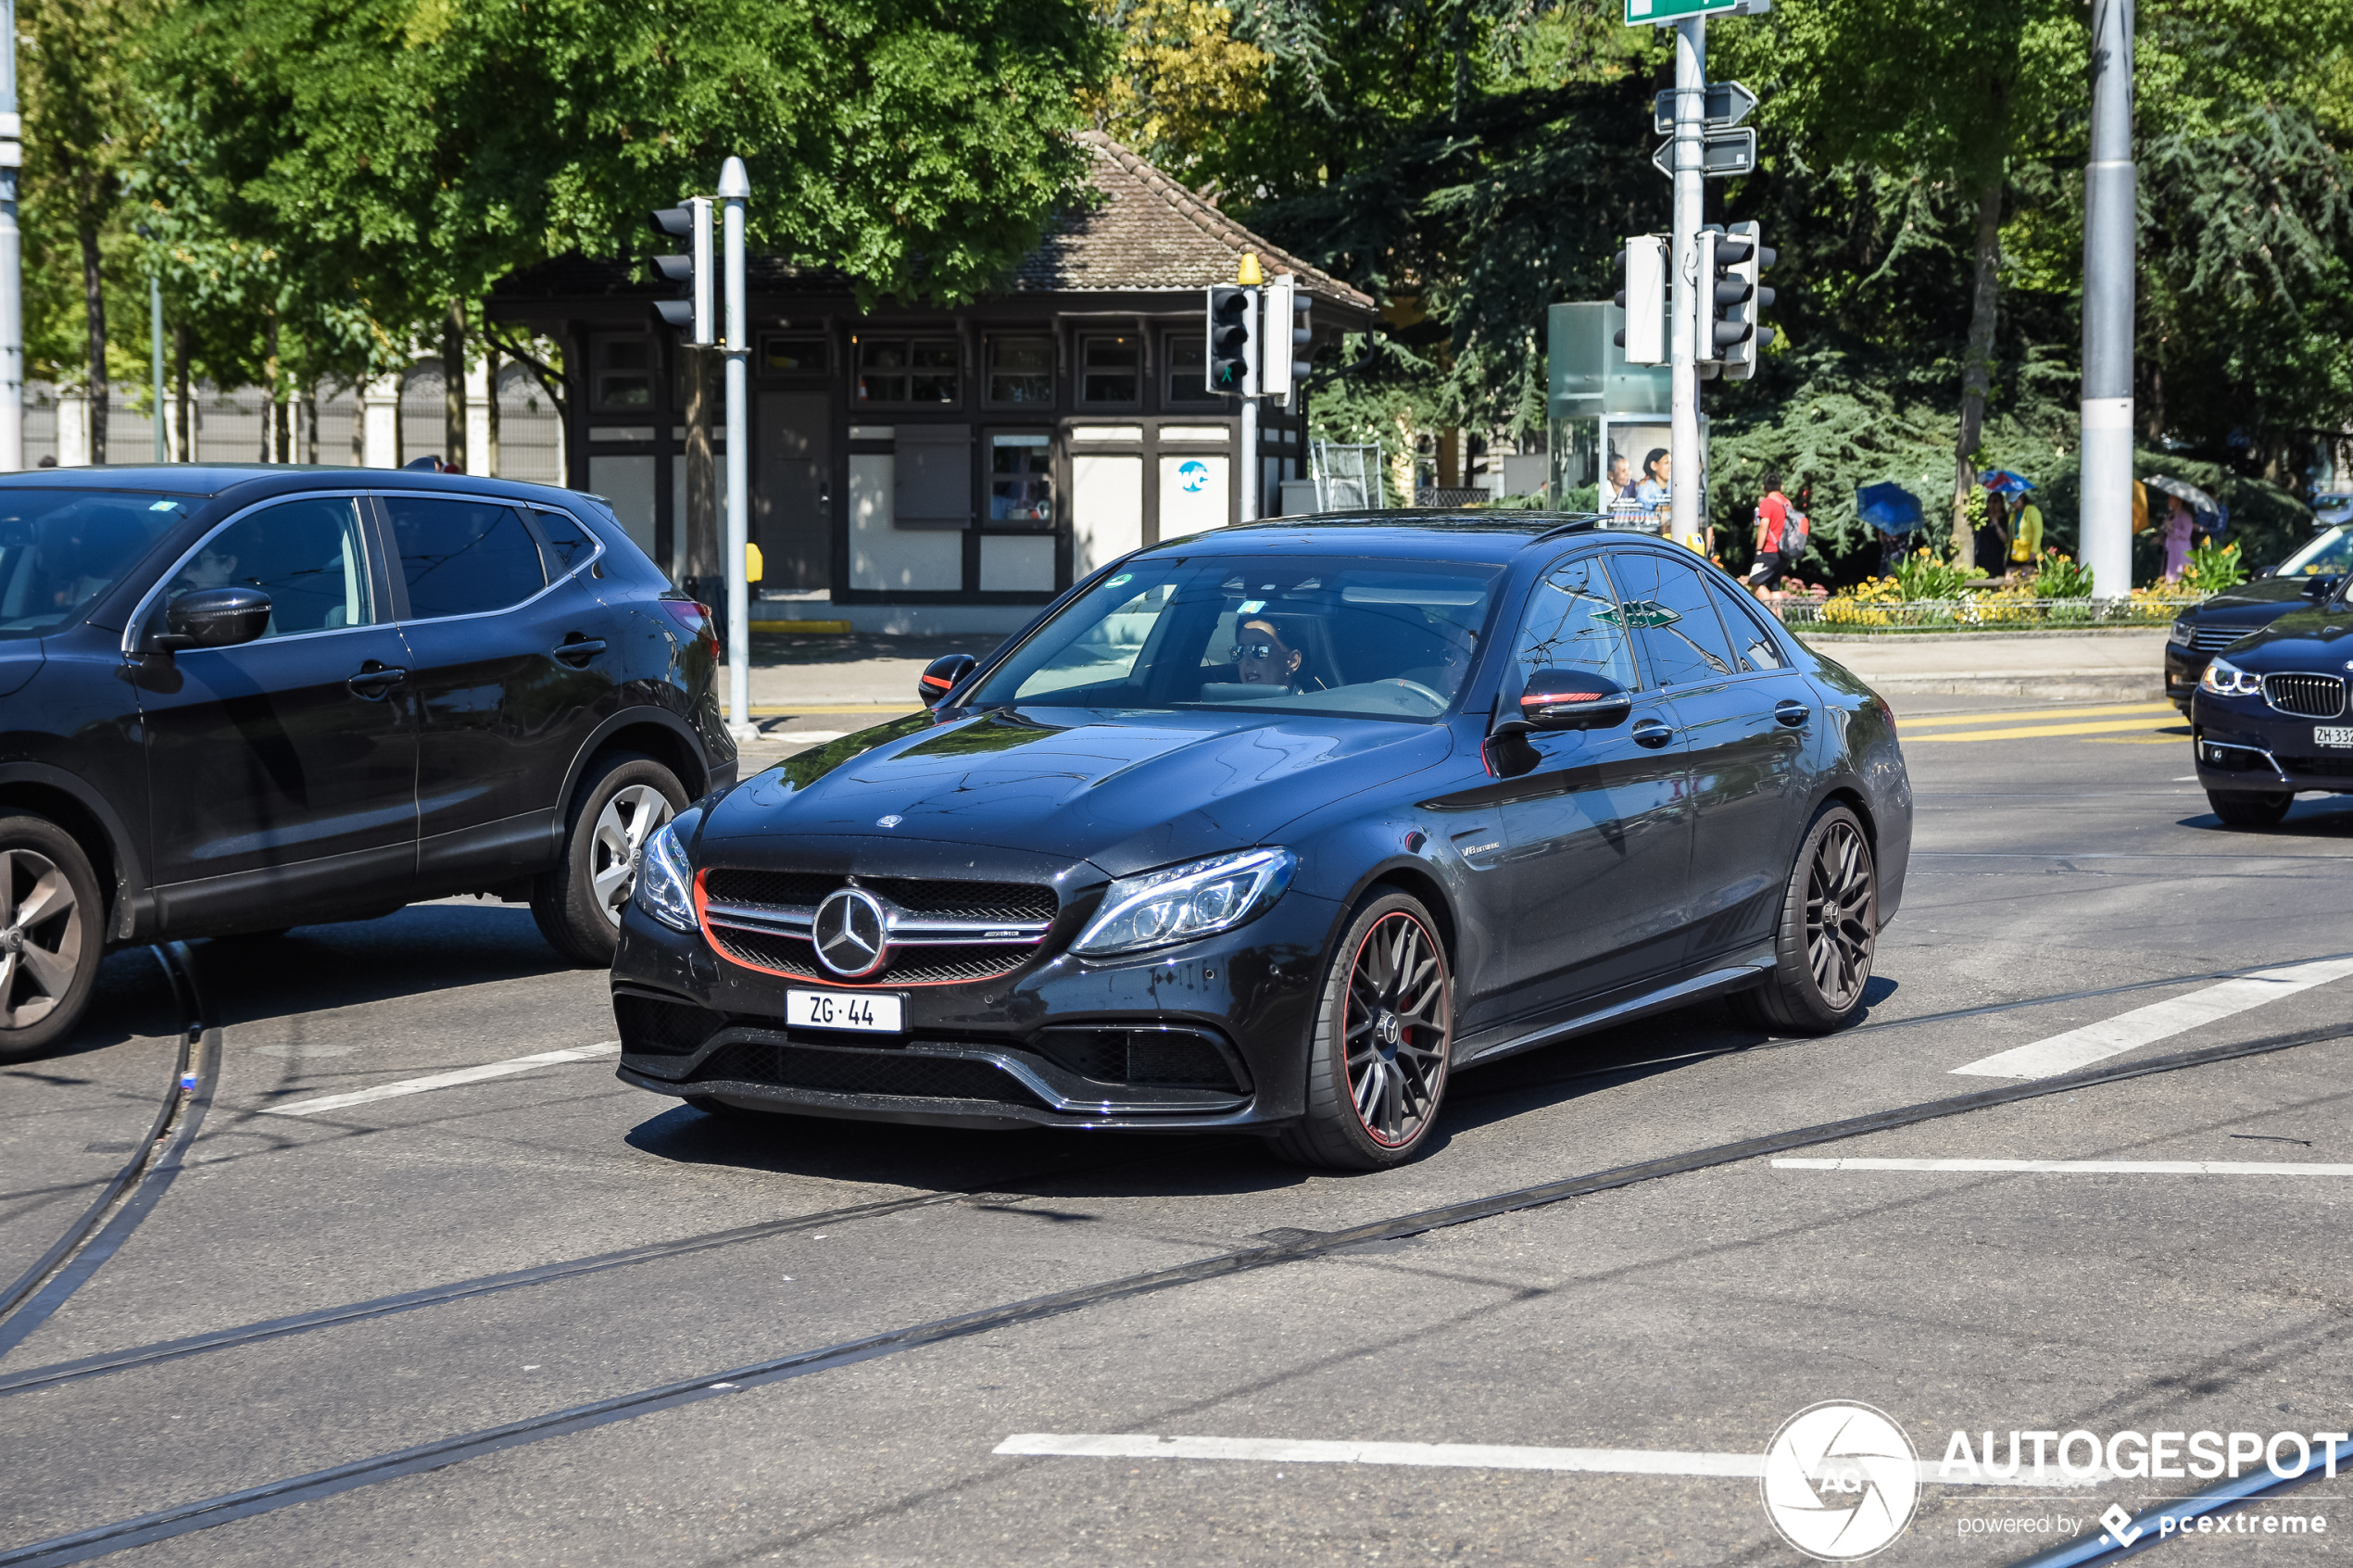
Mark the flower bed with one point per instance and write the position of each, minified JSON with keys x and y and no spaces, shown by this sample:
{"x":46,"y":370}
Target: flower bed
{"x":1861,"y":611}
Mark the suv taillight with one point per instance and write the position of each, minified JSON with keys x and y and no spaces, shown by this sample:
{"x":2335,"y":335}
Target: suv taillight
{"x":696,"y":618}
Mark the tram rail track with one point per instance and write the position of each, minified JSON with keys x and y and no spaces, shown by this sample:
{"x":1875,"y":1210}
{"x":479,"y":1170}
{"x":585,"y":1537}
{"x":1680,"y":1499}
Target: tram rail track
{"x":132,"y":1192}
{"x":224,"y":1508}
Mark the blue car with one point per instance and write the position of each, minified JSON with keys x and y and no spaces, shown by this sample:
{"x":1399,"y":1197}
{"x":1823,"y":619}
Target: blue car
{"x":1274,"y":829}
{"x":2310,"y":575}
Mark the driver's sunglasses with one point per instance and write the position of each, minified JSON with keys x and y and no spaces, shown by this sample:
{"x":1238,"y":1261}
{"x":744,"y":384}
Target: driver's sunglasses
{"x":1253,"y":650}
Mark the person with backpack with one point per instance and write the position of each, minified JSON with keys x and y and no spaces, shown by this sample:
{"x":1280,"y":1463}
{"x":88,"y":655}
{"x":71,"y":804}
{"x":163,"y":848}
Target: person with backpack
{"x":1781,"y":533}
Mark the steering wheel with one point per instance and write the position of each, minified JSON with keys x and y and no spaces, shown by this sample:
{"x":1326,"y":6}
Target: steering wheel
{"x":1437,"y":703}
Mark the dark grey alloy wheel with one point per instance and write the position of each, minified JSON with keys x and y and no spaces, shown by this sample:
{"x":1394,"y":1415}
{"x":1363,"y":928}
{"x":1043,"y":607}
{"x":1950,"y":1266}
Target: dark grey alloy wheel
{"x":1826,"y":936}
{"x":50,"y":933}
{"x":2249,"y":808}
{"x":578,"y":903}
{"x":1377,"y":1063}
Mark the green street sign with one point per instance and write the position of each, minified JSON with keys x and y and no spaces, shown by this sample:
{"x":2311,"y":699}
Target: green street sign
{"x":1642,"y":13}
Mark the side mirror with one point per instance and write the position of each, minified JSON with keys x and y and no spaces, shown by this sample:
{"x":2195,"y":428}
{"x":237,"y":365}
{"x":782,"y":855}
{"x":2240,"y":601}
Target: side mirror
{"x":942,"y":675}
{"x":2320,"y":587}
{"x":215,"y":618}
{"x":1570,"y":699}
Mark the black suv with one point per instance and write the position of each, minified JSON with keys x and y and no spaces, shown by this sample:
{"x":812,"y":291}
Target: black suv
{"x":235,"y":699}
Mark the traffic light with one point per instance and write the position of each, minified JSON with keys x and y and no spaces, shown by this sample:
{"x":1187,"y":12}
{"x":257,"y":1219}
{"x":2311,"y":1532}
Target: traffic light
{"x":1743,"y":246}
{"x":1283,"y":361}
{"x":1643,"y":265}
{"x":1731,"y":335}
{"x":1229,"y":312}
{"x":693,"y":310}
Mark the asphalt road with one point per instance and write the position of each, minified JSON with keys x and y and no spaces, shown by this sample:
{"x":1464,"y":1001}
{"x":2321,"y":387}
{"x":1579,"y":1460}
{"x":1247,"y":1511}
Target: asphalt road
{"x":2066,"y":877}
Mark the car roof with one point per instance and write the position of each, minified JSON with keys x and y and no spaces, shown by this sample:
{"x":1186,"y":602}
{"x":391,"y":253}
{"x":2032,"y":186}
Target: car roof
{"x":1492,"y":537}
{"x":263,"y":479}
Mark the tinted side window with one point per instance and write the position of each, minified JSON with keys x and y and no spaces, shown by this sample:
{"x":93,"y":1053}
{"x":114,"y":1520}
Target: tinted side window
{"x":462,"y":557}
{"x":1682,"y":640}
{"x":1573,"y":622}
{"x":1753,"y":645}
{"x":310,"y":556}
{"x":568,"y":543}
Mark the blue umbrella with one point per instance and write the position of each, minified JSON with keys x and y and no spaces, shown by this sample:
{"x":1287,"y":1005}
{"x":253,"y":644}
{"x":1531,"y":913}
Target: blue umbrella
{"x":2008,"y":484}
{"x":1888,"y":506}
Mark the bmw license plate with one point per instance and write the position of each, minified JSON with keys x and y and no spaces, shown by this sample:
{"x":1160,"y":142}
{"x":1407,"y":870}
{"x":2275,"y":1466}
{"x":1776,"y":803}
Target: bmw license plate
{"x":835,"y":1009}
{"x":2331,"y":734}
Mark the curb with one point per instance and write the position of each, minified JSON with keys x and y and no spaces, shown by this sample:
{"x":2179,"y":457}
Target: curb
{"x":2124,"y":685}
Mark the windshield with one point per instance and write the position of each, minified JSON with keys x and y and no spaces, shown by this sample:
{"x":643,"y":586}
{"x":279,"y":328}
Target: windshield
{"x":61,"y":549}
{"x":1382,"y":639}
{"x":2326,"y":555}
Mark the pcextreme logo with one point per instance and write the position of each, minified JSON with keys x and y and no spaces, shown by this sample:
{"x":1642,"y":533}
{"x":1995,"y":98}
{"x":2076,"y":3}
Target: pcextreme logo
{"x":1842,"y":1481}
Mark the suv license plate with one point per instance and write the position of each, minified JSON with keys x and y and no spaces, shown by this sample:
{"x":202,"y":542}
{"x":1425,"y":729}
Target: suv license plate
{"x":2331,"y":734}
{"x":836,"y":1010}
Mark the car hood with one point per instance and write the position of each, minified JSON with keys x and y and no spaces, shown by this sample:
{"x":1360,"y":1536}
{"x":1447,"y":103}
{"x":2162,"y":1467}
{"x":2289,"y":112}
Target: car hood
{"x":2253,"y":601}
{"x":2304,"y":639}
{"x":1128,"y":791}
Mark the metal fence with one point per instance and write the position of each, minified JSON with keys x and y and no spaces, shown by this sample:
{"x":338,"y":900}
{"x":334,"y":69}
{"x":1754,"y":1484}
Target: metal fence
{"x":1980,"y":612}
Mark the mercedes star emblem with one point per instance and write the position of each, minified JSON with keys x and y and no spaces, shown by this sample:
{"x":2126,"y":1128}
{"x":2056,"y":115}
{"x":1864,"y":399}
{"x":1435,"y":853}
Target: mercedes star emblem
{"x":848,"y":932}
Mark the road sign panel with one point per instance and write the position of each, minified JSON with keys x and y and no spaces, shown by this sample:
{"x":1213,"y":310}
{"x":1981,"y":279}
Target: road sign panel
{"x":1639,"y":13}
{"x":1722,"y":155}
{"x":1729,"y":103}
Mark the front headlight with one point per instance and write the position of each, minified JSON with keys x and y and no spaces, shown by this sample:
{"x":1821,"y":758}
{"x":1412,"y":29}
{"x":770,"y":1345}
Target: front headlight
{"x":2180,"y":635}
{"x":665,"y":888}
{"x":1183,"y":902}
{"x":2224,"y":679}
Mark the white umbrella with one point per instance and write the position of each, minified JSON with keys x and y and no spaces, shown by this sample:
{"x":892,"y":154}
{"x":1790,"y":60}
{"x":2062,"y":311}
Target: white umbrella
{"x":2198,"y":499}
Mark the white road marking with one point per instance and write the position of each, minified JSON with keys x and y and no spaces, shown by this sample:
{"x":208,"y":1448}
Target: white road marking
{"x":2128,"y":1031}
{"x":1465,"y":1456}
{"x":2080,"y":1167}
{"x":445,"y":1080}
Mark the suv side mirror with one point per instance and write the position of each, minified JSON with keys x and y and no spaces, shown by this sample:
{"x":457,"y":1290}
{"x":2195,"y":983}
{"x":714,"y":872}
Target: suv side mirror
{"x":1570,"y":699}
{"x":215,"y":618}
{"x":2321,"y":588}
{"x":942,"y":675}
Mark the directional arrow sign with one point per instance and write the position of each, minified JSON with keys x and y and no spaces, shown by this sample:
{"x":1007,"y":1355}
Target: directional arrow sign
{"x":1641,"y":12}
{"x":1729,"y":103}
{"x":1722,"y":155}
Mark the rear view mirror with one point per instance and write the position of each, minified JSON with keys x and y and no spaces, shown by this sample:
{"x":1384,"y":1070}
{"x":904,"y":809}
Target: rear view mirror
{"x":215,"y":618}
{"x":942,"y":675}
{"x":1572,"y":699}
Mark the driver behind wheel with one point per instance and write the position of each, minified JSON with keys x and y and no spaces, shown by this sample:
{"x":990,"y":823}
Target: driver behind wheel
{"x":1263,"y":658}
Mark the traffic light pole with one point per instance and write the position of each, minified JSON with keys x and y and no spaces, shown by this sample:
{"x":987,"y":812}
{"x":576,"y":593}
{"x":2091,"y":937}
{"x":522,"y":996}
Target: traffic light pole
{"x":1252,"y":471}
{"x":1689,"y":314}
{"x":2108,"y":244}
{"x":735,"y":189}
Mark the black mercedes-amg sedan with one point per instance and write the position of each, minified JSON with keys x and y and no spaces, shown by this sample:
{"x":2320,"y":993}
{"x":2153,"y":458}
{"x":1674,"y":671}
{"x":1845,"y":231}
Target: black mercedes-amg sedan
{"x":2270,"y":719}
{"x":1273,"y":829}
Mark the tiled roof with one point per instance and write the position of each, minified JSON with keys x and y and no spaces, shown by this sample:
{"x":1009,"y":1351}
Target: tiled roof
{"x":1143,"y":234}
{"x":1150,"y":232}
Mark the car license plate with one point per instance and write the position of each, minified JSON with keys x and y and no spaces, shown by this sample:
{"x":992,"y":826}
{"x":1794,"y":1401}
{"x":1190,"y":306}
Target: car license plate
{"x":2331,"y":734}
{"x":836,"y":1010}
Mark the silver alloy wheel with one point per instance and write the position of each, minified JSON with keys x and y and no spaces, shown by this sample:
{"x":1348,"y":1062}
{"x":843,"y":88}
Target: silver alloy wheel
{"x":628,"y":820}
{"x":1839,"y":910}
{"x":39,"y":937}
{"x":1396,"y":1027}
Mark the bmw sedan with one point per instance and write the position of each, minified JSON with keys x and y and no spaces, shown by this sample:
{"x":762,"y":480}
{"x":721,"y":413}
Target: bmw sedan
{"x":1276,"y":829}
{"x":2270,"y":720}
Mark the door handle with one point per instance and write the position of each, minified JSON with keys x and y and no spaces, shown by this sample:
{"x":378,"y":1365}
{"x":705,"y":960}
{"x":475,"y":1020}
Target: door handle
{"x":1652,"y":733}
{"x":376,"y":679}
{"x":582,"y":650}
{"x":1791,"y":713}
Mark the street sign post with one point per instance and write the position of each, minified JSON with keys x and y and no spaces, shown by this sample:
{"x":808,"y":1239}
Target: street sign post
{"x":1729,"y":103}
{"x":1722,"y":154}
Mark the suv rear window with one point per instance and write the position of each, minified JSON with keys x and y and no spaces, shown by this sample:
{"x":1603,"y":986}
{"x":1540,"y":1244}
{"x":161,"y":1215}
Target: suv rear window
{"x":460,"y":557}
{"x":60,"y":550}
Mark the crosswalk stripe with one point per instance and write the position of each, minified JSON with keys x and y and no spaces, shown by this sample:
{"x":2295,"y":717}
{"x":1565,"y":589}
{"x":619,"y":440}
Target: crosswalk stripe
{"x":2075,"y":1167}
{"x":1908,"y":722}
{"x":2142,"y":1026}
{"x":445,"y":1080}
{"x":2019,"y":732}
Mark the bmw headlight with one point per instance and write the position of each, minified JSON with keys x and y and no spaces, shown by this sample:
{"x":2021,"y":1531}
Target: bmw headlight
{"x":665,"y":888}
{"x":2224,"y":679}
{"x":1183,"y":902}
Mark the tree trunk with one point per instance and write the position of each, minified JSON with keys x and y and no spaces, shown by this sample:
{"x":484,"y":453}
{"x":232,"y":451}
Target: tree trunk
{"x":453,"y":388}
{"x":270,"y":405}
{"x":311,"y":424}
{"x":183,"y":411}
{"x":695,"y":548}
{"x":490,"y":414}
{"x":1977,"y":367}
{"x":94,"y":299}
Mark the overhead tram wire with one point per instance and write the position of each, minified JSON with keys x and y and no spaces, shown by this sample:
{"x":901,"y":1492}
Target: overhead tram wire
{"x":205,"y":1514}
{"x":134,"y":1190}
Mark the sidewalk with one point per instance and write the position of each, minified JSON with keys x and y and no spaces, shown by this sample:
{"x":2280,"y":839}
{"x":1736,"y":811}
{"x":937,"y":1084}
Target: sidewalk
{"x":2060,"y":665}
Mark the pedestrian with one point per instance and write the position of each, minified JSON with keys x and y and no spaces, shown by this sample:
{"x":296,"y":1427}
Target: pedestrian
{"x":1993,"y":538}
{"x":1890,"y":552}
{"x":2026,"y":538}
{"x":2179,"y":522}
{"x":1772,"y":522}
